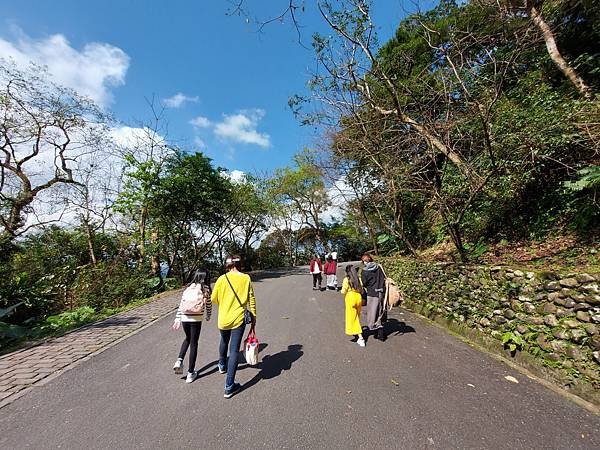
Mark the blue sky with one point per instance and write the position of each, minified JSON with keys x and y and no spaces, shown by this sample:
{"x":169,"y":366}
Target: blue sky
{"x":233,"y":83}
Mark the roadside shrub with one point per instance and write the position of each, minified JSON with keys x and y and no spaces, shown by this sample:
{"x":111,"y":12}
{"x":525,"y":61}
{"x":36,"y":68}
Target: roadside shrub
{"x":111,"y":284}
{"x":71,"y":319}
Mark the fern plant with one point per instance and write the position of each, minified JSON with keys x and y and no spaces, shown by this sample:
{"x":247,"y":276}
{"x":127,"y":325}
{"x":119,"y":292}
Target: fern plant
{"x":589,"y":179}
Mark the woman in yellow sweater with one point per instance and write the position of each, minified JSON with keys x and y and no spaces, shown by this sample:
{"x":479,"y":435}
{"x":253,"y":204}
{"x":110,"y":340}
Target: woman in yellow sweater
{"x":233,"y":293}
{"x":352,"y":288}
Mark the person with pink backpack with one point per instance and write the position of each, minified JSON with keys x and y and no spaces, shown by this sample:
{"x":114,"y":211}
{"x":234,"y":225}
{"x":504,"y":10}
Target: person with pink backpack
{"x":195,"y":301}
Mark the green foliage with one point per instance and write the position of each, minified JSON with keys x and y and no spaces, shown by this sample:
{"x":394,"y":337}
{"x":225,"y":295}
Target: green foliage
{"x":71,"y":319}
{"x":10,"y":332}
{"x":472,"y":75}
{"x":50,"y":271}
{"x":112,"y":284}
{"x":589,"y":178}
{"x":301,"y":190}
{"x":476,"y":250}
{"x":189,"y":191}
{"x":8,"y":311}
{"x":512,"y":341}
{"x":349,"y":242}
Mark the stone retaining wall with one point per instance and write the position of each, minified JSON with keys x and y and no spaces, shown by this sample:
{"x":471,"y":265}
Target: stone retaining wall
{"x":555,"y":317}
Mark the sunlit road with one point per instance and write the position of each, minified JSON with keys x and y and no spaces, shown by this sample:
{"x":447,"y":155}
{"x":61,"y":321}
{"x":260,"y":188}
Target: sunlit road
{"x":314,"y":389}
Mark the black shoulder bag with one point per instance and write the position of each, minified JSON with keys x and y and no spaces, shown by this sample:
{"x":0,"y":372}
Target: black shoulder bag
{"x":248,"y":317}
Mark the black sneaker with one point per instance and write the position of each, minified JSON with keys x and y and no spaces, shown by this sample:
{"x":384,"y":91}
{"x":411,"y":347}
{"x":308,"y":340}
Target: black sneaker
{"x":237,"y":387}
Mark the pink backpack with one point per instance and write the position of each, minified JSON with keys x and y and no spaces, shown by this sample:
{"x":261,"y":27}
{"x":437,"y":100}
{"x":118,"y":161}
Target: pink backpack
{"x":193,"y":299}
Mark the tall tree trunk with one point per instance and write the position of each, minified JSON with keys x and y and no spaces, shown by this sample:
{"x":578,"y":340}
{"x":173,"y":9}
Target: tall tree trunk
{"x":155,"y":261}
{"x":404,"y":238}
{"x":555,"y":54}
{"x":90,"y":240}
{"x":370,"y":230}
{"x":456,"y":236}
{"x":142,"y":232}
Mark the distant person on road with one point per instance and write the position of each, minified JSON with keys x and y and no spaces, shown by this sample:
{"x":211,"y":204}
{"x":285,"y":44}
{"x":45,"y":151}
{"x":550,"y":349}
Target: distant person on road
{"x":330,"y":271}
{"x":316,"y":269}
{"x":192,"y":323}
{"x":233,"y":293}
{"x":352,"y":288}
{"x":373,"y":281}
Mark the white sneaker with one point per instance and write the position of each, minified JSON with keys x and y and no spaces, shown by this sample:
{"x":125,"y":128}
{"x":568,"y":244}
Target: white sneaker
{"x":361,"y":343}
{"x":178,"y":367}
{"x":191,"y":376}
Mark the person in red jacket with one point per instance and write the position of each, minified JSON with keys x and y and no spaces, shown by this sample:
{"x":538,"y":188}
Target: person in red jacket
{"x":316,"y":268}
{"x":330,"y":271}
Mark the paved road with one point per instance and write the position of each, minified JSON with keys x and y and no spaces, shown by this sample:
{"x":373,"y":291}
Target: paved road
{"x":314,"y":389}
{"x":26,"y":369}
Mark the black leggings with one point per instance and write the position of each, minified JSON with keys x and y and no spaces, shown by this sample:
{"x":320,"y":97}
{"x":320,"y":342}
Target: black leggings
{"x":192,"y":334}
{"x":317,"y":278}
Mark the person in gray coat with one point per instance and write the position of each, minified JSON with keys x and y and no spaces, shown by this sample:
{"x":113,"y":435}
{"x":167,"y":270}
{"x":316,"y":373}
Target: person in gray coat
{"x":373,"y":280}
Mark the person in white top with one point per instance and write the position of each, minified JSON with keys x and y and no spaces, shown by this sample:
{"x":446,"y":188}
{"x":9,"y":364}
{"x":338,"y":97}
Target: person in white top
{"x":192,"y":324}
{"x":315,"y":269}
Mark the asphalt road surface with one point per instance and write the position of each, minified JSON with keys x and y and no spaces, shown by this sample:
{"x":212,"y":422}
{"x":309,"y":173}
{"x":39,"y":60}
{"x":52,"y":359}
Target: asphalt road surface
{"x":420,"y":389}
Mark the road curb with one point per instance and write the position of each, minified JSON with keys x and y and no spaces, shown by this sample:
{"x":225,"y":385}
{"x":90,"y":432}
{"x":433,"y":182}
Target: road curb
{"x":74,"y":364}
{"x":50,"y":338}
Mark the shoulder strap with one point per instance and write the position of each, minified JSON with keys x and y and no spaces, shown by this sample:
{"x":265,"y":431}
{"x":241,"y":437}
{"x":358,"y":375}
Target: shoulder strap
{"x":234,"y":293}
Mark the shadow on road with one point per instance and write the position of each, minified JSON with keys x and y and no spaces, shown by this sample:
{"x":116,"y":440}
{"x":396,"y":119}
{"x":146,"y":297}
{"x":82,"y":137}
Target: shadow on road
{"x":213,"y":366}
{"x":395,"y":327}
{"x":205,"y":367}
{"x":272,"y":366}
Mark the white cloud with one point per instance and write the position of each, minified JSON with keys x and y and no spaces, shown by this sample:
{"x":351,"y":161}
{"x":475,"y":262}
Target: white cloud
{"x":237,"y":176}
{"x":241,"y":127}
{"x":200,"y":122}
{"x":92,"y":71}
{"x":339,"y":194}
{"x":125,"y":136}
{"x":178,"y":100}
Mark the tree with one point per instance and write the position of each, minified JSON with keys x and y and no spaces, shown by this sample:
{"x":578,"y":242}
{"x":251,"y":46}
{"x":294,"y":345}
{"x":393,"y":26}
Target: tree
{"x":188,"y":209}
{"x":145,"y":153}
{"x":302,"y":187}
{"x":481,"y":87}
{"x":90,"y":202}
{"x":44,"y":130}
{"x":252,"y":213}
{"x":533,"y":8}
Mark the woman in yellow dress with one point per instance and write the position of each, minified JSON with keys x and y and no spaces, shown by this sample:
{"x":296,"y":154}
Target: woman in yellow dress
{"x":352,"y":288}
